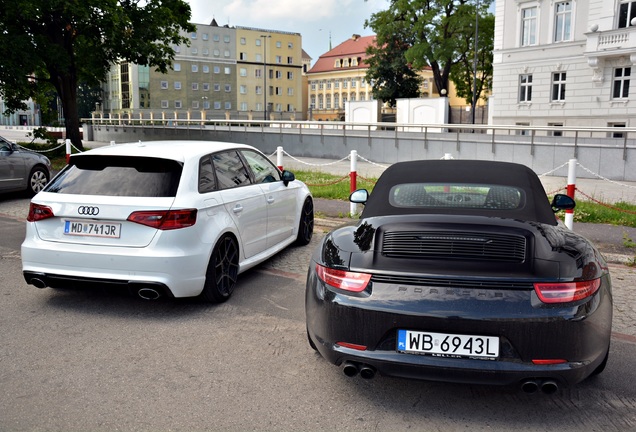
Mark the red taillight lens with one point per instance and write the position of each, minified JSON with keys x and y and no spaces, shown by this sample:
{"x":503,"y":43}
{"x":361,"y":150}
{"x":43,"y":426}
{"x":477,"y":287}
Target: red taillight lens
{"x":38,"y":212}
{"x":544,"y":362}
{"x":165,"y":219}
{"x":564,"y":292}
{"x":344,"y":280}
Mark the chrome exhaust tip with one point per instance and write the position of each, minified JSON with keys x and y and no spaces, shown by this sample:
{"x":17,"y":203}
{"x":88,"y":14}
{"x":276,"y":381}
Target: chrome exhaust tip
{"x":148,"y":293}
{"x":350,"y":369}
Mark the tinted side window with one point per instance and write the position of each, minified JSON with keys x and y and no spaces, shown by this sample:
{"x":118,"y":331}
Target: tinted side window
{"x":118,"y":176}
{"x":230,"y":171}
{"x":263,"y":169}
{"x":207,"y":182}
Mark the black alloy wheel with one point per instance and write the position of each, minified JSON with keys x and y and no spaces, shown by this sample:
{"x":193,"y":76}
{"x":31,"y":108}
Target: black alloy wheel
{"x":306,"y":225}
{"x":222,"y":272}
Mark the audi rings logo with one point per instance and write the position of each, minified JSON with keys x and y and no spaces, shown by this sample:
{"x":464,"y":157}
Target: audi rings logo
{"x":88,"y":210}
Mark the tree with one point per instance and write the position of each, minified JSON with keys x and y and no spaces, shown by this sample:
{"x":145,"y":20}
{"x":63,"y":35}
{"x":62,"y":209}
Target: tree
{"x":390,"y":75}
{"x":438,"y":29}
{"x":57,"y":44}
{"x":463,"y":72}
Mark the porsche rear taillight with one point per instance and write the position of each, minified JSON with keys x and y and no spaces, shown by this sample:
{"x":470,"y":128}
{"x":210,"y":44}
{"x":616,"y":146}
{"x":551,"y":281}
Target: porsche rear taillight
{"x":165,"y":219}
{"x":38,"y":212}
{"x":564,"y":292}
{"x":344,"y":280}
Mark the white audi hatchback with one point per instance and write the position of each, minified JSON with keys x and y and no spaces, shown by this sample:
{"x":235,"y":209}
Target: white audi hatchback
{"x":172,"y":218}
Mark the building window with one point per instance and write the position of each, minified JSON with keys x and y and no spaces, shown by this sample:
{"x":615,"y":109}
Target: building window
{"x":206,"y":105}
{"x":164,"y":85}
{"x":217,"y":105}
{"x":529,"y":26}
{"x":278,"y":45}
{"x":178,"y":104}
{"x":290,"y":75}
{"x":259,"y":89}
{"x":194,"y":51}
{"x":620,"y":87}
{"x":558,"y":86}
{"x":290,"y":91}
{"x":243,"y":89}
{"x":177,"y":67}
{"x":204,"y":36}
{"x":243,"y":72}
{"x":195,"y":68}
{"x":290,"y":45}
{"x":195,"y":104}
{"x":258,"y":42}
{"x":562,"y":21}
{"x":523,"y":131}
{"x":206,"y":86}
{"x":226,"y":53}
{"x":206,"y":69}
{"x":290,"y":60}
{"x":177,"y":85}
{"x":193,"y":35}
{"x":226,"y":38}
{"x":177,"y":49}
{"x":525,"y":88}
{"x":228,"y":105}
{"x":216,"y":53}
{"x":228,"y":88}
{"x":243,"y":106}
{"x":243,"y":41}
{"x":616,"y":134}
{"x":336,"y":101}
{"x":259,"y":58}
{"x":328,"y":101}
{"x":279,"y":59}
{"x":217,"y":69}
{"x":195,"y":86}
{"x":626,"y":13}
{"x":279,"y":74}
{"x":258,"y":73}
{"x":164,"y":104}
{"x":227,"y":71}
{"x":242,"y":56}
{"x":206,"y":51}
{"x":556,"y":133}
{"x":217,"y":87}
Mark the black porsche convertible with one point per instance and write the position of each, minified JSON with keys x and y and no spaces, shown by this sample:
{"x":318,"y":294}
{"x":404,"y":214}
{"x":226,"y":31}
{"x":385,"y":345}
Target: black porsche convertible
{"x":459,"y":270}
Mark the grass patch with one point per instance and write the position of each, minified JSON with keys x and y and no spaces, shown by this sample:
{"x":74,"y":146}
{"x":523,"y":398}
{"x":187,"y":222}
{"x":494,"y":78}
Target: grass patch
{"x":591,"y":212}
{"x":331,"y":186}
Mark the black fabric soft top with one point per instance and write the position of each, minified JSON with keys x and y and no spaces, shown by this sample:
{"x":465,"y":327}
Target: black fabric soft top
{"x":537,"y":207}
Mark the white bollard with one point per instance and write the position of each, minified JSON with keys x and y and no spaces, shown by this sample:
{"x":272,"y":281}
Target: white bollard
{"x":279,"y":157}
{"x":569,"y":214}
{"x":68,"y":150}
{"x":353,"y":207}
{"x":112,"y":143}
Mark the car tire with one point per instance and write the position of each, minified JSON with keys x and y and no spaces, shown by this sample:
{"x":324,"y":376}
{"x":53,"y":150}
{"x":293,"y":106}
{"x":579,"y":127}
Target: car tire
{"x":38,"y":178}
{"x":600,"y":368}
{"x":306,"y":224}
{"x":311,"y":343}
{"x":222,"y":271}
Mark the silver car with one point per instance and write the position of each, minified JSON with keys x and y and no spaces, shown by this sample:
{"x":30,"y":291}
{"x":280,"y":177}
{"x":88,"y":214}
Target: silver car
{"x":21,"y":169}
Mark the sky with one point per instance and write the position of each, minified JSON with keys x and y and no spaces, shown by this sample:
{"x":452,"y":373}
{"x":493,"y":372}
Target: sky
{"x":315,"y":20}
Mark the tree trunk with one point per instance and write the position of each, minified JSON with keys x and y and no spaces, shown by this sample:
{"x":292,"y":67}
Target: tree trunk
{"x":66,"y":87}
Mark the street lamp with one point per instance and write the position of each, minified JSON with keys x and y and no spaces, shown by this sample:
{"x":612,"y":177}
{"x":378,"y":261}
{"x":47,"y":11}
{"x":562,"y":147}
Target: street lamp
{"x":265,"y":37}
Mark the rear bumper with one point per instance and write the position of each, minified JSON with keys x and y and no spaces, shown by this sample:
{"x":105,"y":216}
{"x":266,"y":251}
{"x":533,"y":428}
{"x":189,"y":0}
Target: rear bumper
{"x":175,"y":272}
{"x":145,"y":289}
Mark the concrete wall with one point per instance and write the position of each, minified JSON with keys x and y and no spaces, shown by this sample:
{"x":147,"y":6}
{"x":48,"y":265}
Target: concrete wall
{"x":604,"y":156}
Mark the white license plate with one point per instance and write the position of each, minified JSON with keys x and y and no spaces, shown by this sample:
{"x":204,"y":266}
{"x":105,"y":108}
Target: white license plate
{"x":448,"y":345}
{"x":92,"y":229}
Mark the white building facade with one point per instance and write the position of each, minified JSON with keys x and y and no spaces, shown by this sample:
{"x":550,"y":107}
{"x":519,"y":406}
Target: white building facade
{"x":564,"y":63}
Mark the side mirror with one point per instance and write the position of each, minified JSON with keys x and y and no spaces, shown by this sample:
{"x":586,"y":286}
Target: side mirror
{"x":287,"y":177}
{"x":359,"y":196}
{"x":562,"y":202}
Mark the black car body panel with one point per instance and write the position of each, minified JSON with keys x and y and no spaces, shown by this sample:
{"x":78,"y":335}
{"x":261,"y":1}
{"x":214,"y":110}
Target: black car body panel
{"x":461,"y":274}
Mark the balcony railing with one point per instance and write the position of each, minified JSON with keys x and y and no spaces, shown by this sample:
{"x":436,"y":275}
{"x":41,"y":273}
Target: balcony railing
{"x":611,"y":42}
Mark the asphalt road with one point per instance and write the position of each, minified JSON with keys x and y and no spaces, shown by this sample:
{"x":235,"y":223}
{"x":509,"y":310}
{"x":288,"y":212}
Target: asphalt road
{"x":80,"y":360}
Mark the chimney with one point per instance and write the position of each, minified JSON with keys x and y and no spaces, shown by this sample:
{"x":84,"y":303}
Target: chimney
{"x":355,"y":37}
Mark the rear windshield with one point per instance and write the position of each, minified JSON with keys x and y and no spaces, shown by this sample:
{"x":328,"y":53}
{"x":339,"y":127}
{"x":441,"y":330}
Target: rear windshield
{"x":118,"y":176}
{"x":456,"y":195}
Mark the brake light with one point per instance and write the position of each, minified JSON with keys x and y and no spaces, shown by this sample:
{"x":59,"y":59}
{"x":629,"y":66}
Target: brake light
{"x":38,"y":212}
{"x":165,"y":219}
{"x":352,"y":346}
{"x":544,"y":362}
{"x":344,"y":280}
{"x":564,"y":292}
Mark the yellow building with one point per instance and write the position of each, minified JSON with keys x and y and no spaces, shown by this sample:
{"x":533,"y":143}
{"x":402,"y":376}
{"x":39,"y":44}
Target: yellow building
{"x":269,"y":73}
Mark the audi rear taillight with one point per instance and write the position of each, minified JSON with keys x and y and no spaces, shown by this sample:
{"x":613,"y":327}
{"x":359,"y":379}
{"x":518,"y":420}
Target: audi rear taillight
{"x":38,"y":212}
{"x":165,"y":219}
{"x":564,"y":292}
{"x":344,"y":280}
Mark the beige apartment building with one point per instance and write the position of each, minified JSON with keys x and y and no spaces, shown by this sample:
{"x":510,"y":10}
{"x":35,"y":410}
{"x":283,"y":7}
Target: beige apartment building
{"x":225,"y":72}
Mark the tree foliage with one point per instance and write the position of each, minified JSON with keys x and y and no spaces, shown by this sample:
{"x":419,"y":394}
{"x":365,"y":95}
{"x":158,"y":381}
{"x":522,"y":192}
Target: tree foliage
{"x":463,"y":72}
{"x":437,"y":31}
{"x":390,"y":75}
{"x":57,"y":44}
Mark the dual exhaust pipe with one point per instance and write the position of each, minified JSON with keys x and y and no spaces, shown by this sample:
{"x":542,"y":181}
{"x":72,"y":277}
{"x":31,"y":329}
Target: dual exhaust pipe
{"x":546,"y":386}
{"x":142,"y":291}
{"x":352,"y":369}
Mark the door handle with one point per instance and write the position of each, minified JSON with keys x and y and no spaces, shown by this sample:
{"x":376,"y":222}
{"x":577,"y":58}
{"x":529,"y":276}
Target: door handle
{"x":270,"y":199}
{"x":237,"y":208}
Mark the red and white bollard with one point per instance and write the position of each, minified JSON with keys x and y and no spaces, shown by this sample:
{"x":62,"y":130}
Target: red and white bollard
{"x":353,"y":175}
{"x":68,"y":151}
{"x":569,"y":214}
{"x":279,"y":157}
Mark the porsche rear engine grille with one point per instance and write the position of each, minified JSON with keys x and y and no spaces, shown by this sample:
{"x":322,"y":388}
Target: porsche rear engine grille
{"x":454,"y":245}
